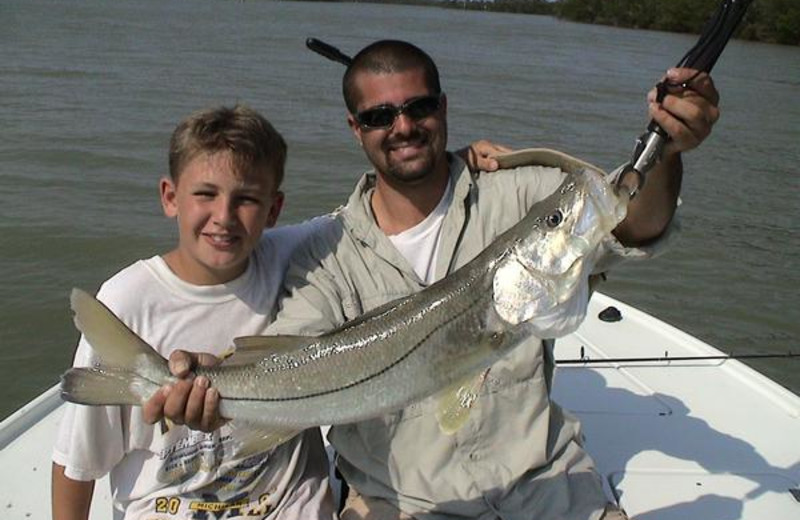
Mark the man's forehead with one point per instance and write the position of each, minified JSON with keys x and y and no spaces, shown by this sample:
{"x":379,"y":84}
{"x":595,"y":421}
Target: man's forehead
{"x":391,"y":87}
{"x":368,"y":74}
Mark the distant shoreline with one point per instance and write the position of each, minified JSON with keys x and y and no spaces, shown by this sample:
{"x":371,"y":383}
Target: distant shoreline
{"x":767,"y":21}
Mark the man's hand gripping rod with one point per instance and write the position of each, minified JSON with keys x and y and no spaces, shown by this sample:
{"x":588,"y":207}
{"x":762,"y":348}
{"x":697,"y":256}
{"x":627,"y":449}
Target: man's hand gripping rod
{"x":701,"y":57}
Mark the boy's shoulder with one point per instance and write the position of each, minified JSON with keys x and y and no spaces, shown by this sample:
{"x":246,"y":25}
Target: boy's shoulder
{"x":128,"y":284}
{"x":289,"y":238}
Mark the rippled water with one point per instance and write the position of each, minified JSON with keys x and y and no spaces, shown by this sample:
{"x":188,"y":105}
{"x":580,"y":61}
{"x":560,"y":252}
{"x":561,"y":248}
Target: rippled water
{"x":90,"y":91}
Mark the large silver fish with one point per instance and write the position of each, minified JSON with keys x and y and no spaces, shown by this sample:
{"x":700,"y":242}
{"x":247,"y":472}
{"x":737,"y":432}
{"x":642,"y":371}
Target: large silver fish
{"x":398,"y":353}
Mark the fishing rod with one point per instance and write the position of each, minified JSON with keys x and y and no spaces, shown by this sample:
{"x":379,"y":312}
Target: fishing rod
{"x":701,"y":57}
{"x":329,"y":51}
{"x":667,"y":358}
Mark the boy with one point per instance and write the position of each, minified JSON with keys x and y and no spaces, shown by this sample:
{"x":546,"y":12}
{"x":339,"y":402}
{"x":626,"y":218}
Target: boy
{"x":221,"y":281}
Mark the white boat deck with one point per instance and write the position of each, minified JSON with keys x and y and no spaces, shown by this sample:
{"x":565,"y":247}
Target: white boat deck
{"x":26,"y":441}
{"x":679,"y":440}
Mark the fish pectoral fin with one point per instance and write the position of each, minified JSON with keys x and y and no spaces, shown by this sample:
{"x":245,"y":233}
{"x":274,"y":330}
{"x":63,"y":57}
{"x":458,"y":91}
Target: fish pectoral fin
{"x":455,"y":402}
{"x":250,"y":438}
{"x":252,"y":349}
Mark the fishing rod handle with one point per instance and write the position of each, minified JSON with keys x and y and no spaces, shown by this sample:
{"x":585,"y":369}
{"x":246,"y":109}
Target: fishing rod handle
{"x":648,"y":149}
{"x":702,"y":57}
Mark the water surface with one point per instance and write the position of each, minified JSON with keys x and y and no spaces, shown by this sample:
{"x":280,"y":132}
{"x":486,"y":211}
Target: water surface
{"x":90,"y":91}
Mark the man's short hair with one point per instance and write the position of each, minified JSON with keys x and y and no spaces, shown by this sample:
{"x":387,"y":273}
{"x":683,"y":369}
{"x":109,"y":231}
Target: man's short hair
{"x":387,"y":57}
{"x":254,"y":143}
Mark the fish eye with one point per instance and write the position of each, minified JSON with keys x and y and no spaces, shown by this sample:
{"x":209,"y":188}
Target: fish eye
{"x":554,"y":219}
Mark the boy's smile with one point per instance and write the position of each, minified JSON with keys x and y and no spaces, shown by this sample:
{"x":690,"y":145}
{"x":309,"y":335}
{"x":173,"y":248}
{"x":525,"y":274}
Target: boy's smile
{"x":221,"y":215}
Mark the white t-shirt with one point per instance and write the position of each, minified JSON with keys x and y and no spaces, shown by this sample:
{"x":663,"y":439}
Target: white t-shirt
{"x":420,"y":244}
{"x":183,"y":473}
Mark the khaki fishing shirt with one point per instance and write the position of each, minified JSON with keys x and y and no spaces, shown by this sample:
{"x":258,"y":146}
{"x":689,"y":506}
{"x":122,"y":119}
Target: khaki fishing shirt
{"x":519,"y":455}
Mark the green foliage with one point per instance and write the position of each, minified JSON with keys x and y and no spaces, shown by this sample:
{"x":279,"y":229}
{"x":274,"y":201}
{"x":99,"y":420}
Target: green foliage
{"x":774,"y":21}
{"x":506,"y":6}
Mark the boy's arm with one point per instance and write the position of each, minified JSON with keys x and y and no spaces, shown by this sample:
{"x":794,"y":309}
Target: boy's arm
{"x":70,"y":498}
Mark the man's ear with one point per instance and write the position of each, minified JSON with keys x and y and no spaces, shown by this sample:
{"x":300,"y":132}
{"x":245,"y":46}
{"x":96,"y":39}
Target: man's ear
{"x":355,"y":127}
{"x":169,"y":195}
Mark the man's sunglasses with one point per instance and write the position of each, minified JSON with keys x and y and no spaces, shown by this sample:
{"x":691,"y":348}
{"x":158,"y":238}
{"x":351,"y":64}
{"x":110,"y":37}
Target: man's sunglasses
{"x":384,"y":116}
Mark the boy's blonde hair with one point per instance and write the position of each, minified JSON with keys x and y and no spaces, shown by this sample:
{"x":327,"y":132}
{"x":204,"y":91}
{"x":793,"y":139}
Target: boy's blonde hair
{"x":253,"y":142}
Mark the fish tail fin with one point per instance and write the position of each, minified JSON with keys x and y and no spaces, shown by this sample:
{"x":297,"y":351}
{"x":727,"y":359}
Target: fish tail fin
{"x":127,"y":361}
{"x":104,"y":386}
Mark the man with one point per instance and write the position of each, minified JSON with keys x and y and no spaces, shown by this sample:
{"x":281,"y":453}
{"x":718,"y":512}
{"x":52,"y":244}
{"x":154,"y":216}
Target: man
{"x":419,"y":216}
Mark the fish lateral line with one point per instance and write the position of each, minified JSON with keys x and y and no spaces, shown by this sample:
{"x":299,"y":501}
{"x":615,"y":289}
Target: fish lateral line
{"x":493,"y":337}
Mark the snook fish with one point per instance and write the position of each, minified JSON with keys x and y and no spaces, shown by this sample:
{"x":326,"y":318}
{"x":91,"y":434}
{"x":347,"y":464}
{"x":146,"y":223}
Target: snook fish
{"x":398,"y":353}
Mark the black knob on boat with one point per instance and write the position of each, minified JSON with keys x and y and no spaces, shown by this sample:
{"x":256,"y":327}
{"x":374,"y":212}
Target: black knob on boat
{"x":610,"y":314}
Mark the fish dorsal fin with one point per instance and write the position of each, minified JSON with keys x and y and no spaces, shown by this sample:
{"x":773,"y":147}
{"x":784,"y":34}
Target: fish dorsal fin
{"x":252,"y":349}
{"x":456,"y":401}
{"x":544,"y":157}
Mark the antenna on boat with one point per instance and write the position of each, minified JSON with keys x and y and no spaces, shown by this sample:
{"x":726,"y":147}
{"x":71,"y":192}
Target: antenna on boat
{"x":611,"y":314}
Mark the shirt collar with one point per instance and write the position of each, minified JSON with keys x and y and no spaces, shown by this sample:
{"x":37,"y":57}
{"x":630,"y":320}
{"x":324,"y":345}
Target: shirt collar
{"x":358,"y":210}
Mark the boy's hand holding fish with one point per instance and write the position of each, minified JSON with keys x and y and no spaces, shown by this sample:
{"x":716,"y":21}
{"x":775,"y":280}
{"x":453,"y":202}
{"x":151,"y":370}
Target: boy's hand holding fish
{"x":189,"y":400}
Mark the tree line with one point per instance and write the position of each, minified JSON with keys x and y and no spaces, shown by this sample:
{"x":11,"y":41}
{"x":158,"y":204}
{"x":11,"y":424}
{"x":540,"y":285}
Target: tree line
{"x":772,"y":21}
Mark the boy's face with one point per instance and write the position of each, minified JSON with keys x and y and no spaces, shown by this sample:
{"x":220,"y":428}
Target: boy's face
{"x":221,"y":216}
